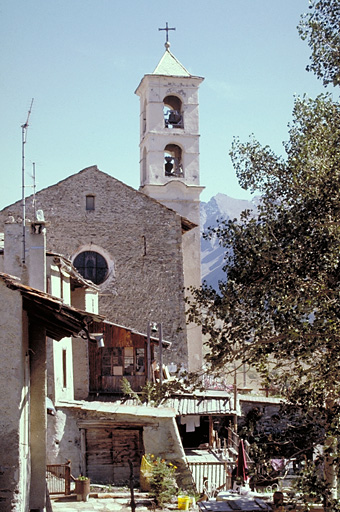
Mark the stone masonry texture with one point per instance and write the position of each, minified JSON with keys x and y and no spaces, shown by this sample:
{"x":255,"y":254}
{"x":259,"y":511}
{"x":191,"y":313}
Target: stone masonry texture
{"x":141,"y":240}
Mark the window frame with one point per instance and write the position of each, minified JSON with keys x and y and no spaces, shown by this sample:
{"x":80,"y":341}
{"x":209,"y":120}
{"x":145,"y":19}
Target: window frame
{"x":124,"y":357}
{"x":90,"y":202}
{"x":99,"y":272}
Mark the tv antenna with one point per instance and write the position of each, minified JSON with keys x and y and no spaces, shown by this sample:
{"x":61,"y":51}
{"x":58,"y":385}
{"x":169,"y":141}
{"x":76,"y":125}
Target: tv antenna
{"x":34,"y":190}
{"x":24,"y":128}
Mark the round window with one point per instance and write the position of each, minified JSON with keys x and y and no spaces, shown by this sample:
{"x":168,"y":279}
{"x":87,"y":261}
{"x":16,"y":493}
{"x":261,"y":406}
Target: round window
{"x":91,"y":265}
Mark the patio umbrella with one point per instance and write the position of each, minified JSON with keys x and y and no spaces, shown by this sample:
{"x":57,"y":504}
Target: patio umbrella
{"x":242,"y":468}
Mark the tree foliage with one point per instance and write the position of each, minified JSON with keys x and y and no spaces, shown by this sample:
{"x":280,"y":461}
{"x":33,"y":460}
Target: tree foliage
{"x":278,"y":308}
{"x":321,"y":27}
{"x":156,"y":393}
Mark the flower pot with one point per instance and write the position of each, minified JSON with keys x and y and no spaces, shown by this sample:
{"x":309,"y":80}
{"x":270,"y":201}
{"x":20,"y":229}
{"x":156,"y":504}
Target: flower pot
{"x":82,"y":489}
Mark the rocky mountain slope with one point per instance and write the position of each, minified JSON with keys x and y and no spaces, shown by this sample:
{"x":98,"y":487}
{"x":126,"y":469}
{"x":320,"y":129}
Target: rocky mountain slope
{"x":220,"y":207}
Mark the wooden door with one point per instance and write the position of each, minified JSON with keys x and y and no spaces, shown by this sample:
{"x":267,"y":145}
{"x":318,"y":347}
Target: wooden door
{"x":108,"y":451}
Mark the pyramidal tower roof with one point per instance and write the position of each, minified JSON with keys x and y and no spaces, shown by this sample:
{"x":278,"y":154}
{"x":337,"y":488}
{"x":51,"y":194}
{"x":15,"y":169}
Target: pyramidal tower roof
{"x":169,"y":65}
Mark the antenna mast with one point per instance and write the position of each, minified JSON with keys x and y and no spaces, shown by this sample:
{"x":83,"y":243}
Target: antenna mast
{"x":24,"y":129}
{"x":34,"y":190}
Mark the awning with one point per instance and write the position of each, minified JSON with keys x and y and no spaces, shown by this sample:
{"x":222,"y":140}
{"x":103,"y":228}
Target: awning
{"x":203,"y":404}
{"x":59,"y":319}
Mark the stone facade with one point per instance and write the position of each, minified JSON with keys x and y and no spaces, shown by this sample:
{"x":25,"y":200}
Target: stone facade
{"x":140,"y":239}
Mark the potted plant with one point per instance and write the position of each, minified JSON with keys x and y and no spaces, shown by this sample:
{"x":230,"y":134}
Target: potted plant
{"x":82,"y":488}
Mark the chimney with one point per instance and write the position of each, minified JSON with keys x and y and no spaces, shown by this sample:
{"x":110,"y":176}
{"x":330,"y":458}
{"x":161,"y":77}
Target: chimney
{"x":36,"y":253}
{"x":32,"y":271}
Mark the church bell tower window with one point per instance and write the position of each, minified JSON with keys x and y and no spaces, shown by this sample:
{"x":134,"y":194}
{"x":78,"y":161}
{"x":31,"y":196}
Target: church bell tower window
{"x":173,"y":117}
{"x":173,"y":161}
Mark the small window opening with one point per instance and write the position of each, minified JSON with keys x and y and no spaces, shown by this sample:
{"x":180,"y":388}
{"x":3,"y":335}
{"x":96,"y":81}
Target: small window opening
{"x":119,"y":361}
{"x":144,"y":244}
{"x":173,"y":117}
{"x":144,"y":119}
{"x":140,"y":361}
{"x":128,"y":361}
{"x":64,"y":368}
{"x":112,"y":361}
{"x":90,"y":203}
{"x":173,"y":161}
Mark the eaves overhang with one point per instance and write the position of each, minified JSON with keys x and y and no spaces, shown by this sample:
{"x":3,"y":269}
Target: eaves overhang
{"x":128,"y":331}
{"x":187,"y":225}
{"x":77,"y":280}
{"x":59,"y":319}
{"x":206,"y":403}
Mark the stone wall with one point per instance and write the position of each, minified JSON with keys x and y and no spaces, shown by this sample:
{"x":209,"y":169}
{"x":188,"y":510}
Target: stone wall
{"x":141,"y":240}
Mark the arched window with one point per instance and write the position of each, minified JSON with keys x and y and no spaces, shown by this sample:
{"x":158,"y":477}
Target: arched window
{"x":92,"y":265}
{"x":173,"y":116}
{"x":173,"y":161}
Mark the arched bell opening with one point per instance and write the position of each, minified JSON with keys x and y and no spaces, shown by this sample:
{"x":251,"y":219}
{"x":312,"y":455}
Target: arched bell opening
{"x":172,"y":108}
{"x":173,"y":161}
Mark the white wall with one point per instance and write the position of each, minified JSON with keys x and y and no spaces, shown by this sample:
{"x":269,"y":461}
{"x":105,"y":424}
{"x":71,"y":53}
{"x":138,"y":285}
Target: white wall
{"x":14,"y":403}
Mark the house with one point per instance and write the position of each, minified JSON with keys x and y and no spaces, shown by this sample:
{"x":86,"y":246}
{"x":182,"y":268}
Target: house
{"x":99,"y":430}
{"x":127,"y":354}
{"x":30,"y":319}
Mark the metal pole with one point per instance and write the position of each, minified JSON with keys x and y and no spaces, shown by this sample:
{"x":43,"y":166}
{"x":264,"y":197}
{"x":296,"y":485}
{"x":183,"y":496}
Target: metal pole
{"x":160,"y":339}
{"x":235,"y":398}
{"x":23,"y":191}
{"x":23,"y":140}
{"x":148,"y":353}
{"x":34,"y":189}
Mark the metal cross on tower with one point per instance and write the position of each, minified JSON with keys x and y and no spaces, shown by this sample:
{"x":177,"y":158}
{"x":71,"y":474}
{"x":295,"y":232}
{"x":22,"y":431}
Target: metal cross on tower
{"x":167,"y":31}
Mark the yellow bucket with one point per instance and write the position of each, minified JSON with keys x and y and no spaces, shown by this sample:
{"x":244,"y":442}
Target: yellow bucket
{"x":145,"y":475}
{"x":183,"y":502}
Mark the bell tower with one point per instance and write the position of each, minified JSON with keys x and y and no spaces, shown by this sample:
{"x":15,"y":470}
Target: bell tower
{"x":169,"y":160}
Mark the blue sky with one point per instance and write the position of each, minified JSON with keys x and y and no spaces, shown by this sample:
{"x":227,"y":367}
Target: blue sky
{"x":81,"y":61}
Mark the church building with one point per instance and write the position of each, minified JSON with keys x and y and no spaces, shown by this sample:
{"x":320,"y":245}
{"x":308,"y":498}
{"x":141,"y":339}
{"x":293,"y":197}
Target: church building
{"x":142,"y":248}
{"x":136,"y":252}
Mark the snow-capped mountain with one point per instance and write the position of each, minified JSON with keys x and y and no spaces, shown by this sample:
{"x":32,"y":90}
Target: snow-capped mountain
{"x":220,"y":207}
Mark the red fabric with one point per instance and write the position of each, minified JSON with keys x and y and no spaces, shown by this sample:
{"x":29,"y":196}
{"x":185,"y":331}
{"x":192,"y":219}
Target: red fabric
{"x":242,"y":468}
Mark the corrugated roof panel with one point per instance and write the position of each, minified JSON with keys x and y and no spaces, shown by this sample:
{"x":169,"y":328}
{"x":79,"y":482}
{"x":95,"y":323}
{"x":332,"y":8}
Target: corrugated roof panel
{"x":202,"y":405}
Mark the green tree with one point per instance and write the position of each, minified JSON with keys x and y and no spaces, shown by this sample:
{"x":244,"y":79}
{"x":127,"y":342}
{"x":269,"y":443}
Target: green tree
{"x":278,"y":307}
{"x":321,"y":27}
